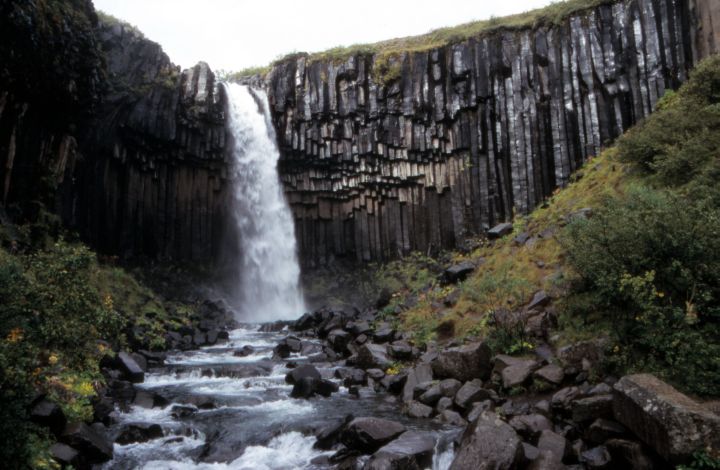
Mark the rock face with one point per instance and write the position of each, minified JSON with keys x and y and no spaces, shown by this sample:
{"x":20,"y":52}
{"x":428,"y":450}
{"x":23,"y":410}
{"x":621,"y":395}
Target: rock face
{"x":668,"y":421}
{"x":464,"y":134}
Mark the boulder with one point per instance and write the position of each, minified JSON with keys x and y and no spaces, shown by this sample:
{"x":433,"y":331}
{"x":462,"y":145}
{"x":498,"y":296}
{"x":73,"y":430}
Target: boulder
{"x":550,"y":373}
{"x":530,"y":426}
{"x":463,"y":363}
{"x":64,"y":454}
{"x":373,"y":356}
{"x":449,"y":387}
{"x":419,"y":374}
{"x":517,"y":374}
{"x":93,"y":447}
{"x":367,"y":435}
{"x":450,"y":417}
{"x":48,"y":414}
{"x":130,"y":369}
{"x":458,"y":272}
{"x":555,"y":444}
{"x":602,"y":430}
{"x":478,"y":409}
{"x":671,"y":423}
{"x":445,"y":403}
{"x":182,"y":411}
{"x":384,"y":333}
{"x":416,"y":409}
{"x":329,"y":435}
{"x":401,"y":350}
{"x":489,"y":443}
{"x":413,"y":450}
{"x":540,"y":299}
{"x":431,"y":395}
{"x":629,"y":454}
{"x":500,"y":230}
{"x":301,"y":372}
{"x":588,"y":409}
{"x":307,"y":387}
{"x":591,"y":351}
{"x":139,"y":433}
{"x":596,"y":458}
{"x":471,"y":392}
{"x":244,"y":351}
{"x":339,"y":340}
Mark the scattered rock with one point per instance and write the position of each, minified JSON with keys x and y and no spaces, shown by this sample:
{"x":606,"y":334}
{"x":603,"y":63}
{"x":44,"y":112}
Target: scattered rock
{"x":551,"y":373}
{"x":330,"y":434}
{"x":554,"y":443}
{"x":48,"y":414}
{"x":93,"y":447}
{"x":373,"y":356}
{"x":413,"y":450}
{"x":602,"y":430}
{"x":518,"y":373}
{"x":671,"y":423}
{"x":419,"y":374}
{"x":129,"y":367}
{"x":416,"y":409}
{"x":500,"y":230}
{"x":539,"y":300}
{"x":530,"y":426}
{"x":458,"y":272}
{"x":488,"y":443}
{"x":367,"y":435}
{"x":463,"y":363}
{"x":451,"y":417}
{"x":139,"y":433}
{"x":469,"y":393}
{"x":301,"y":372}
{"x":596,"y":458}
{"x":64,"y":454}
{"x":587,"y":409}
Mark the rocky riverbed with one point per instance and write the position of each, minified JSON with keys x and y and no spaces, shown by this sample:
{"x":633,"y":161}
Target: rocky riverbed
{"x":339,"y":390}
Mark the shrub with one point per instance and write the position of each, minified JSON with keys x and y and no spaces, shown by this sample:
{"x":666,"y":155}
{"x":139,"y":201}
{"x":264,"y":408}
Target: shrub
{"x":651,"y":261}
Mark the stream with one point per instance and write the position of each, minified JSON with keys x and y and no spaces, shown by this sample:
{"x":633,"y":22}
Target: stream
{"x":254,"y":424}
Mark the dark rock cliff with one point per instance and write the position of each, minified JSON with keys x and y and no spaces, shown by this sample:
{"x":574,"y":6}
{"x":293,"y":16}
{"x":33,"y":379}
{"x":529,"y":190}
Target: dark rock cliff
{"x":153,"y":184}
{"x":466,"y":135}
{"x":97,"y":124}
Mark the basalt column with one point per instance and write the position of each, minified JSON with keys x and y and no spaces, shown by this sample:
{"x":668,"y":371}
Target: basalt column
{"x":426,"y":148}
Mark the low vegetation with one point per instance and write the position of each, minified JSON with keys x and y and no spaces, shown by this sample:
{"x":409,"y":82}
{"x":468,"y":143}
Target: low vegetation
{"x":61,"y":311}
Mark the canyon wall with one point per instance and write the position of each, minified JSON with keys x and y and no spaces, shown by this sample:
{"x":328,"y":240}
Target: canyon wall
{"x":464,"y":136}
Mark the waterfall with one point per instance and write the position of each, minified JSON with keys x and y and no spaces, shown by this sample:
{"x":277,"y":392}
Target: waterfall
{"x":269,"y":272}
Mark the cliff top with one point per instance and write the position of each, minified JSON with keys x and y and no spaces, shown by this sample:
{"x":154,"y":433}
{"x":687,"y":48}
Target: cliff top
{"x":553,"y":14}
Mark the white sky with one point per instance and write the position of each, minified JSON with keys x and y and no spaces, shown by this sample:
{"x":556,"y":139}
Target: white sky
{"x":234,"y":34}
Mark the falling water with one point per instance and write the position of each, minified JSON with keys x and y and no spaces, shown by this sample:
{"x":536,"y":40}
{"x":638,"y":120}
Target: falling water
{"x":269,"y":271}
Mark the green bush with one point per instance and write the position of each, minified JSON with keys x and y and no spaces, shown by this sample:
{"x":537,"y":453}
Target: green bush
{"x":651,"y":261}
{"x":51,"y":317}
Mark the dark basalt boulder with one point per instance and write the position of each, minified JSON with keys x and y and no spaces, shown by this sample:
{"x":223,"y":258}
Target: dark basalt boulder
{"x":304,"y":371}
{"x":416,"y":409}
{"x":471,"y":392}
{"x":139,"y":433}
{"x":367,"y":435}
{"x":130,"y":369}
{"x":308,"y":387}
{"x":488,"y":444}
{"x":458,"y":272}
{"x":413,"y":450}
{"x":48,"y":414}
{"x":65,"y":455}
{"x":464,"y":363}
{"x":93,"y":447}
{"x":373,"y":356}
{"x":671,"y":423}
{"x":500,"y":230}
{"x":329,"y":435}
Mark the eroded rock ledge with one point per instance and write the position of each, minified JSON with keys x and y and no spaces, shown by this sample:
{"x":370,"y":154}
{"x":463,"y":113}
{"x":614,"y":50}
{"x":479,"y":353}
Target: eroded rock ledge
{"x":467,"y":134}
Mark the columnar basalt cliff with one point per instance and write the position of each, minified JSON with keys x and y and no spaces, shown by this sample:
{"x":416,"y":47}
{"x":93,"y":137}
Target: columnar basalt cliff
{"x":449,"y":141}
{"x":154,"y":185}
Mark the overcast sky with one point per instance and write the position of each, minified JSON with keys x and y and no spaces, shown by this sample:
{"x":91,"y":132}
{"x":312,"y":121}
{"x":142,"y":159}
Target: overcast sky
{"x":234,"y":34}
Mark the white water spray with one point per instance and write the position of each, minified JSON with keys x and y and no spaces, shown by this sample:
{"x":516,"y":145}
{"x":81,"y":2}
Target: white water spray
{"x":269,"y":269}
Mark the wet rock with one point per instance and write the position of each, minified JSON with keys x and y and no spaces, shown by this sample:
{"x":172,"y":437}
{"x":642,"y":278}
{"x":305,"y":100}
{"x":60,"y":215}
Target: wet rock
{"x":64,"y":454}
{"x":131,"y":370}
{"x":413,"y":450}
{"x":500,"y":230}
{"x":182,"y":411}
{"x":416,"y":409}
{"x":450,"y":417}
{"x":329,"y":435}
{"x":463,"y":363}
{"x":488,"y":443}
{"x":92,"y":447}
{"x":307,"y":387}
{"x":304,"y":371}
{"x":458,"y":272}
{"x":373,"y":356}
{"x":367,"y":435}
{"x":350,"y":376}
{"x":139,"y":433}
{"x":587,"y":409}
{"x":140,"y":360}
{"x":550,"y":373}
{"x":48,"y":414}
{"x":471,"y":392}
{"x":668,"y":421}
